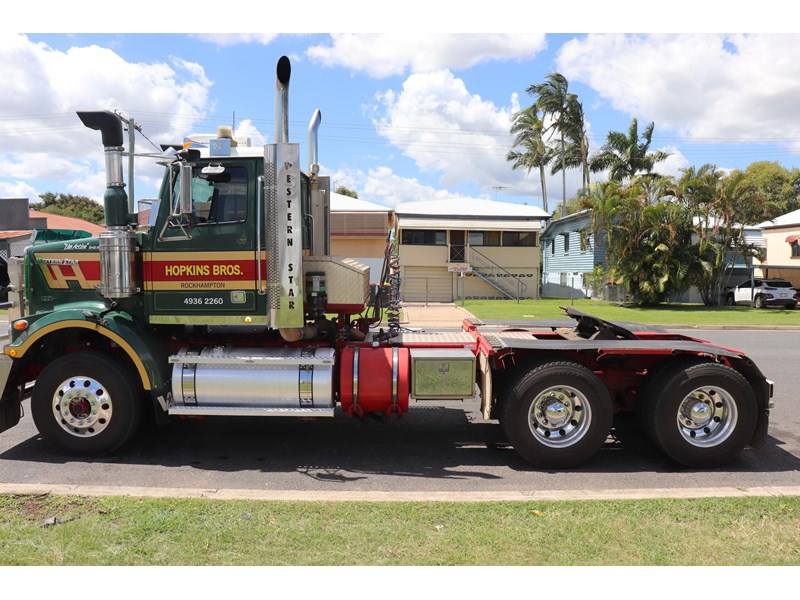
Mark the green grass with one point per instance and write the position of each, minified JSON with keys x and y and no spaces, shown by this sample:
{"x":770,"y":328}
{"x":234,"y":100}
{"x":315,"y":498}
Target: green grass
{"x":667,"y":314}
{"x":131,"y":531}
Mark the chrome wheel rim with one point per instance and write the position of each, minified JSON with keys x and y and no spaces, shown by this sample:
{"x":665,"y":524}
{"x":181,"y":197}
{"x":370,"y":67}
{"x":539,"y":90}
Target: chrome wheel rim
{"x":707,"y":416}
{"x":559,"y":416}
{"x":82,"y":406}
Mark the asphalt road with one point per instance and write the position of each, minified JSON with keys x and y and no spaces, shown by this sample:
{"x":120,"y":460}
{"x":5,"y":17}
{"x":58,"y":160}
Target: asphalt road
{"x":435,"y":450}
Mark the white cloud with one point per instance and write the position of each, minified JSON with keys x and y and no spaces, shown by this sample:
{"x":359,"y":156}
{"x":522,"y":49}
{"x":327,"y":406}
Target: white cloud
{"x":383,"y":186}
{"x":386,"y":54}
{"x":43,"y":87}
{"x":18,"y":189}
{"x":450,"y":132}
{"x":246,"y":129}
{"x":743,"y":87}
{"x":437,"y":122}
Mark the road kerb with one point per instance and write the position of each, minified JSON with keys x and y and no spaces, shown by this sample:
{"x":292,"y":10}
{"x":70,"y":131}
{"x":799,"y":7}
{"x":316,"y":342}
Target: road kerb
{"x":26,"y":489}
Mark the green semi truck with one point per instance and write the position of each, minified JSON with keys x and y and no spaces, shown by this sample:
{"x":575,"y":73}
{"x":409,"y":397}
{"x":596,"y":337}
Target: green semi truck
{"x":220,"y":298}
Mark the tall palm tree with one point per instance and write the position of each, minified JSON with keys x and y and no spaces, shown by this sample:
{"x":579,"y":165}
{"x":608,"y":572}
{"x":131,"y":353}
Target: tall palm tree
{"x":577,"y":142}
{"x":553,"y":99}
{"x":625,"y":156}
{"x":528,"y":129}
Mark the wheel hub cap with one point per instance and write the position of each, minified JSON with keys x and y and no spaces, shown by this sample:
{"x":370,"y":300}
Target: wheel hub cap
{"x":82,"y":407}
{"x":559,"y":416}
{"x":707,"y":416}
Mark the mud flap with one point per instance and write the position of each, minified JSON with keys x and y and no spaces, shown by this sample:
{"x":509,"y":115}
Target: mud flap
{"x":10,"y":409}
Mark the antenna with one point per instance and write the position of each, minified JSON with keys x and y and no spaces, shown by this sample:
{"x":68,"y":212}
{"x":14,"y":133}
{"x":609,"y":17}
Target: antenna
{"x":497,"y":188}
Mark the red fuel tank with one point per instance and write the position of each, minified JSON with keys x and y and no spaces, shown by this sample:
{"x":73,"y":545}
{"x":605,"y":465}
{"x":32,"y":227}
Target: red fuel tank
{"x":374,"y":380}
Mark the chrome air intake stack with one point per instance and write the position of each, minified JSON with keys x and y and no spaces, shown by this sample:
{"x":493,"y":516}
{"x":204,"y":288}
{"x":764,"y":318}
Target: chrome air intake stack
{"x":118,"y":244}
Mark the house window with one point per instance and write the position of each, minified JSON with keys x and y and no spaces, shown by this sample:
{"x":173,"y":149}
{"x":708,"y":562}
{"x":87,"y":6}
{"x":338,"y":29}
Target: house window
{"x":484,"y":238}
{"x":424,"y":237}
{"x":519,"y":238}
{"x":566,"y":242}
{"x":553,"y":247}
{"x":795,"y":249}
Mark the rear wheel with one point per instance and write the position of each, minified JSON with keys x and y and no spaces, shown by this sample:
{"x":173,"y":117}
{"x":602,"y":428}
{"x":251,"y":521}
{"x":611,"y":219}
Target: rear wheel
{"x":759,"y":302}
{"x":557,"y":415}
{"x":791,"y":305}
{"x":83,"y":403}
{"x":703,"y":415}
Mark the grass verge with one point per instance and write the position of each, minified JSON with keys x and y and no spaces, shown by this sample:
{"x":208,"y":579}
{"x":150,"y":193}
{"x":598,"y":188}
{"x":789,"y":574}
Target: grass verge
{"x":132,"y":531}
{"x":667,"y":314}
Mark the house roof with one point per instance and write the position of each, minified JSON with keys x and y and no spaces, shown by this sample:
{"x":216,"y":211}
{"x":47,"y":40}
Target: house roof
{"x":788,"y":220}
{"x":342,"y":203}
{"x":4,"y":235}
{"x":470,"y":208}
{"x":62,"y":222}
{"x":571,"y":222}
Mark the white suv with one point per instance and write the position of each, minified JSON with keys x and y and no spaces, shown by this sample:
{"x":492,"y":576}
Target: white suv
{"x":765,"y":292}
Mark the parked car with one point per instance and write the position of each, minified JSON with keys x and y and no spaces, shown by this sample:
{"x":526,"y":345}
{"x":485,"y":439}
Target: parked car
{"x":764,"y":292}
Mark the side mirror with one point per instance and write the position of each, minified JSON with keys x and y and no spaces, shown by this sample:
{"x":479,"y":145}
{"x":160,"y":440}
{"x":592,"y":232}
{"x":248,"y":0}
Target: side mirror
{"x":185,"y":196}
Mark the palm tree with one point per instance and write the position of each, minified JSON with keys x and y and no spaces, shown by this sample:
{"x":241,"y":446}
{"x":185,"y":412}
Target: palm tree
{"x":625,"y":156}
{"x":576,"y":151}
{"x":528,"y":128}
{"x":554,"y":100}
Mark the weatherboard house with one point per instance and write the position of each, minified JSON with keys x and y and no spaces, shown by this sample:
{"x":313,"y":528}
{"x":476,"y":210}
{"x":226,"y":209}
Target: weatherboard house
{"x":570,"y":252}
{"x":468,"y":248}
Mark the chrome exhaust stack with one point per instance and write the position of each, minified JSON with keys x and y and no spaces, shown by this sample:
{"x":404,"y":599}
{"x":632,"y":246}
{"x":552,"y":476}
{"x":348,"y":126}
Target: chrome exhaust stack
{"x":320,"y":192}
{"x":284,"y":72}
{"x":284,"y":221}
{"x":313,"y":146}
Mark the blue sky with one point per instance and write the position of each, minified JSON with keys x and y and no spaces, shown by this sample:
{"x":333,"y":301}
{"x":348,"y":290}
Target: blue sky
{"x":405,"y":116}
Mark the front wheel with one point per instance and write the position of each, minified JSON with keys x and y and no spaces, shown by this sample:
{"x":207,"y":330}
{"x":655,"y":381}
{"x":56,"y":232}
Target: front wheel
{"x":703,"y":415}
{"x":83,"y":403}
{"x":730,"y":300}
{"x":557,"y":415}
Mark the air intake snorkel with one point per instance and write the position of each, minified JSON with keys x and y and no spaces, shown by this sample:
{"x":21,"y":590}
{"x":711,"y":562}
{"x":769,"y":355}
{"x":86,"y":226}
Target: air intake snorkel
{"x":117,"y":245}
{"x":115,"y":200}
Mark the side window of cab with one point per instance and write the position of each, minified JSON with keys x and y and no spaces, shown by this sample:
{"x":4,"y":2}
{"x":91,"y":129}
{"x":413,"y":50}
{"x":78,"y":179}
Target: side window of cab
{"x":219,"y":197}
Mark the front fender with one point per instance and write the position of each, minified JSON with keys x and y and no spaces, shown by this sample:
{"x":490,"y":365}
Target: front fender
{"x":146,"y":352}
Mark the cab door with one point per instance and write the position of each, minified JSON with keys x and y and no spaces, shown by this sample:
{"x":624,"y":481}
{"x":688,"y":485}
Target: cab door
{"x":201,"y":268}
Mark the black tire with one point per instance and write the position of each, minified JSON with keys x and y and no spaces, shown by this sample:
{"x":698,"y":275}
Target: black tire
{"x":730,"y":300}
{"x":84,"y":403}
{"x":702,"y":415}
{"x":759,"y":302}
{"x":557,"y":415}
{"x":791,"y":306}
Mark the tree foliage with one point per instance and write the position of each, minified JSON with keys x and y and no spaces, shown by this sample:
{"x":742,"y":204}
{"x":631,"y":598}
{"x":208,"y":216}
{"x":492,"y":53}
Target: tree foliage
{"x":648,"y":243}
{"x":69,"y":205}
{"x":721,"y":205}
{"x":625,"y":156}
{"x":778,"y":188}
{"x":562,"y":109}
{"x":346,"y":192}
{"x":533,"y":152}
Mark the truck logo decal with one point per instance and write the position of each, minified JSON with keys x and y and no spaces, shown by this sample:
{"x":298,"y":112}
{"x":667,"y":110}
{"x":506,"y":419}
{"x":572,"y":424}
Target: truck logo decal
{"x":59,"y":269}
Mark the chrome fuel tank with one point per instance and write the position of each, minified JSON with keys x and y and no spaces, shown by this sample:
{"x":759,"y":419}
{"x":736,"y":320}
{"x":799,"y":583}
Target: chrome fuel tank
{"x":222,"y":379}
